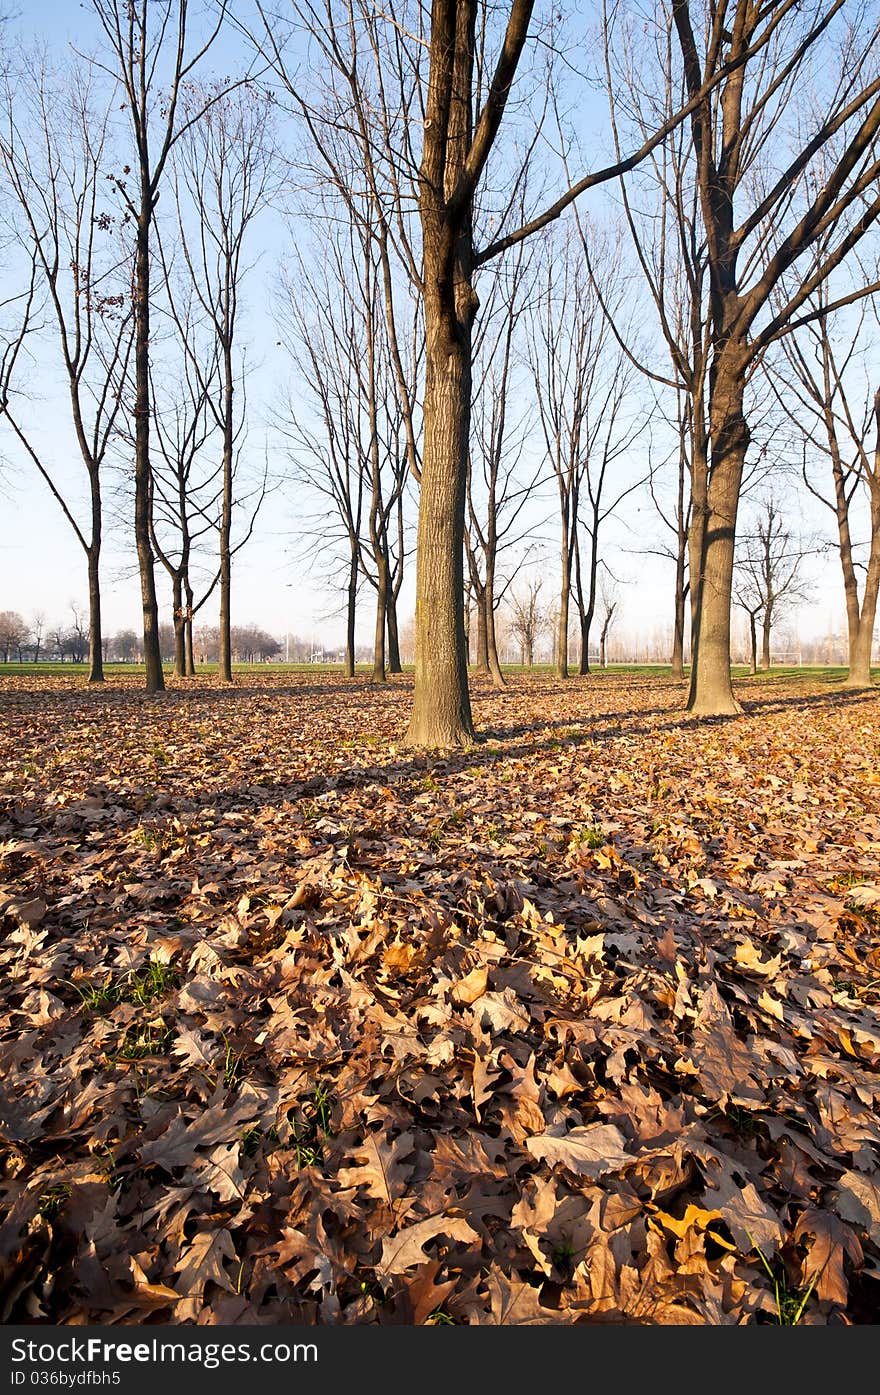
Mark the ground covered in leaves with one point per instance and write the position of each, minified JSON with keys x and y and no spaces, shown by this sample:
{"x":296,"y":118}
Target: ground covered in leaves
{"x":579,"y":1026}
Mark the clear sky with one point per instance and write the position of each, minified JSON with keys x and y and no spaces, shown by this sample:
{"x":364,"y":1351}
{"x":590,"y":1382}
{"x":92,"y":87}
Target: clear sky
{"x":42,"y":568}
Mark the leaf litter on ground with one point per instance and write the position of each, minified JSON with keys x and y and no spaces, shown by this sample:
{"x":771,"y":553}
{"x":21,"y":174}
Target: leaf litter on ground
{"x":576,"y":1026}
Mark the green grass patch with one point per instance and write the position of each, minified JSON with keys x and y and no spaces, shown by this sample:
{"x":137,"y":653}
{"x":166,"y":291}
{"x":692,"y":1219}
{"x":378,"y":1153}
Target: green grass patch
{"x":140,"y":986}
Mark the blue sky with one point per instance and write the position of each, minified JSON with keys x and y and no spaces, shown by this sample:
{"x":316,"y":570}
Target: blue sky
{"x":42,"y":567}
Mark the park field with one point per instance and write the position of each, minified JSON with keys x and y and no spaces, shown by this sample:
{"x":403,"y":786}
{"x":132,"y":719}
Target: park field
{"x":580,"y":1025}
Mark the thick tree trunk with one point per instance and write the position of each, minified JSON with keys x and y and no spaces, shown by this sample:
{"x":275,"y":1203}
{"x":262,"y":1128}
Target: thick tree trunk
{"x":711,"y":691}
{"x":96,"y":643}
{"x":861,"y":638}
{"x":860,"y":618}
{"x":155,"y":679}
{"x":441,"y":715}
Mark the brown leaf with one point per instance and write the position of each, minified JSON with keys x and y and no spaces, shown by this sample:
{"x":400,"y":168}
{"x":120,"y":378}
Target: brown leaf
{"x":406,"y":1248}
{"x":591,"y":1152}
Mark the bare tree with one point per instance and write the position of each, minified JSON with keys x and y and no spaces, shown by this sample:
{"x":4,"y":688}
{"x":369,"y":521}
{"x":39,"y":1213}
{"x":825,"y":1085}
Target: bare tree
{"x":582,"y":380}
{"x":325,"y":334}
{"x":225,"y":166}
{"x":609,"y":605}
{"x":527,"y":618}
{"x":759,"y":221}
{"x":151,"y":55}
{"x":187,"y":490}
{"x":497,"y":493}
{"x":828,"y":385}
{"x":462,"y":107}
{"x":769,"y":573}
{"x":53,"y":149}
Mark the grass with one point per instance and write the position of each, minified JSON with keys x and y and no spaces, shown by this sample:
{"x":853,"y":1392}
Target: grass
{"x":790,"y":1302}
{"x":145,"y":1039}
{"x":142,"y":987}
{"x":590,"y":836}
{"x":829,"y":673}
{"x":314,"y":1125}
{"x":53,"y":1199}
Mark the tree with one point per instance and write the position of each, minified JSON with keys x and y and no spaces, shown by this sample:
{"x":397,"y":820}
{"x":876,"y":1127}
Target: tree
{"x":609,"y":604}
{"x":185,"y":492}
{"x":759,"y":222}
{"x":770,"y":565}
{"x":828,"y":387}
{"x":660,"y":206}
{"x":326,"y":346}
{"x":124,"y":646}
{"x":224,"y":167}
{"x":53,"y":149}
{"x":527,"y":618}
{"x":496,"y":493}
{"x":13,"y":633}
{"x":461,"y":108}
{"x":151,"y":57}
{"x":581,"y":384}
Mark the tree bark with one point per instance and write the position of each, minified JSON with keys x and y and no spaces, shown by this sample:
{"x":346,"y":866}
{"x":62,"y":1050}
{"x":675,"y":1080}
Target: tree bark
{"x":711,"y":691}
{"x":394,"y":664}
{"x":379,"y":675}
{"x":350,"y":613}
{"x":225,"y":656}
{"x":190,"y":656}
{"x":765,"y":641}
{"x":96,"y":643}
{"x":564,"y":602}
{"x":482,"y":655}
{"x":155,"y":679}
{"x":441,"y":715}
{"x":179,"y":626}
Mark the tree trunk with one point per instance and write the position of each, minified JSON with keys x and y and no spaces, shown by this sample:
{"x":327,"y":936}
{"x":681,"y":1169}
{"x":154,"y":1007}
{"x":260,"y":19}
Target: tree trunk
{"x":350,"y":614}
{"x":96,"y":644}
{"x":394,"y":664}
{"x":498,"y":679}
{"x":155,"y":679}
{"x":765,"y":641}
{"x":179,"y":626}
{"x":188,"y":628}
{"x":860,"y":619}
{"x":584,"y":657}
{"x":482,"y":659}
{"x":441,"y":715}
{"x":711,"y":692}
{"x":680,"y":602}
{"x":753,"y":644}
{"x":379,"y":675}
{"x":564,"y":602}
{"x":861,"y":638}
{"x":225,"y":656}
